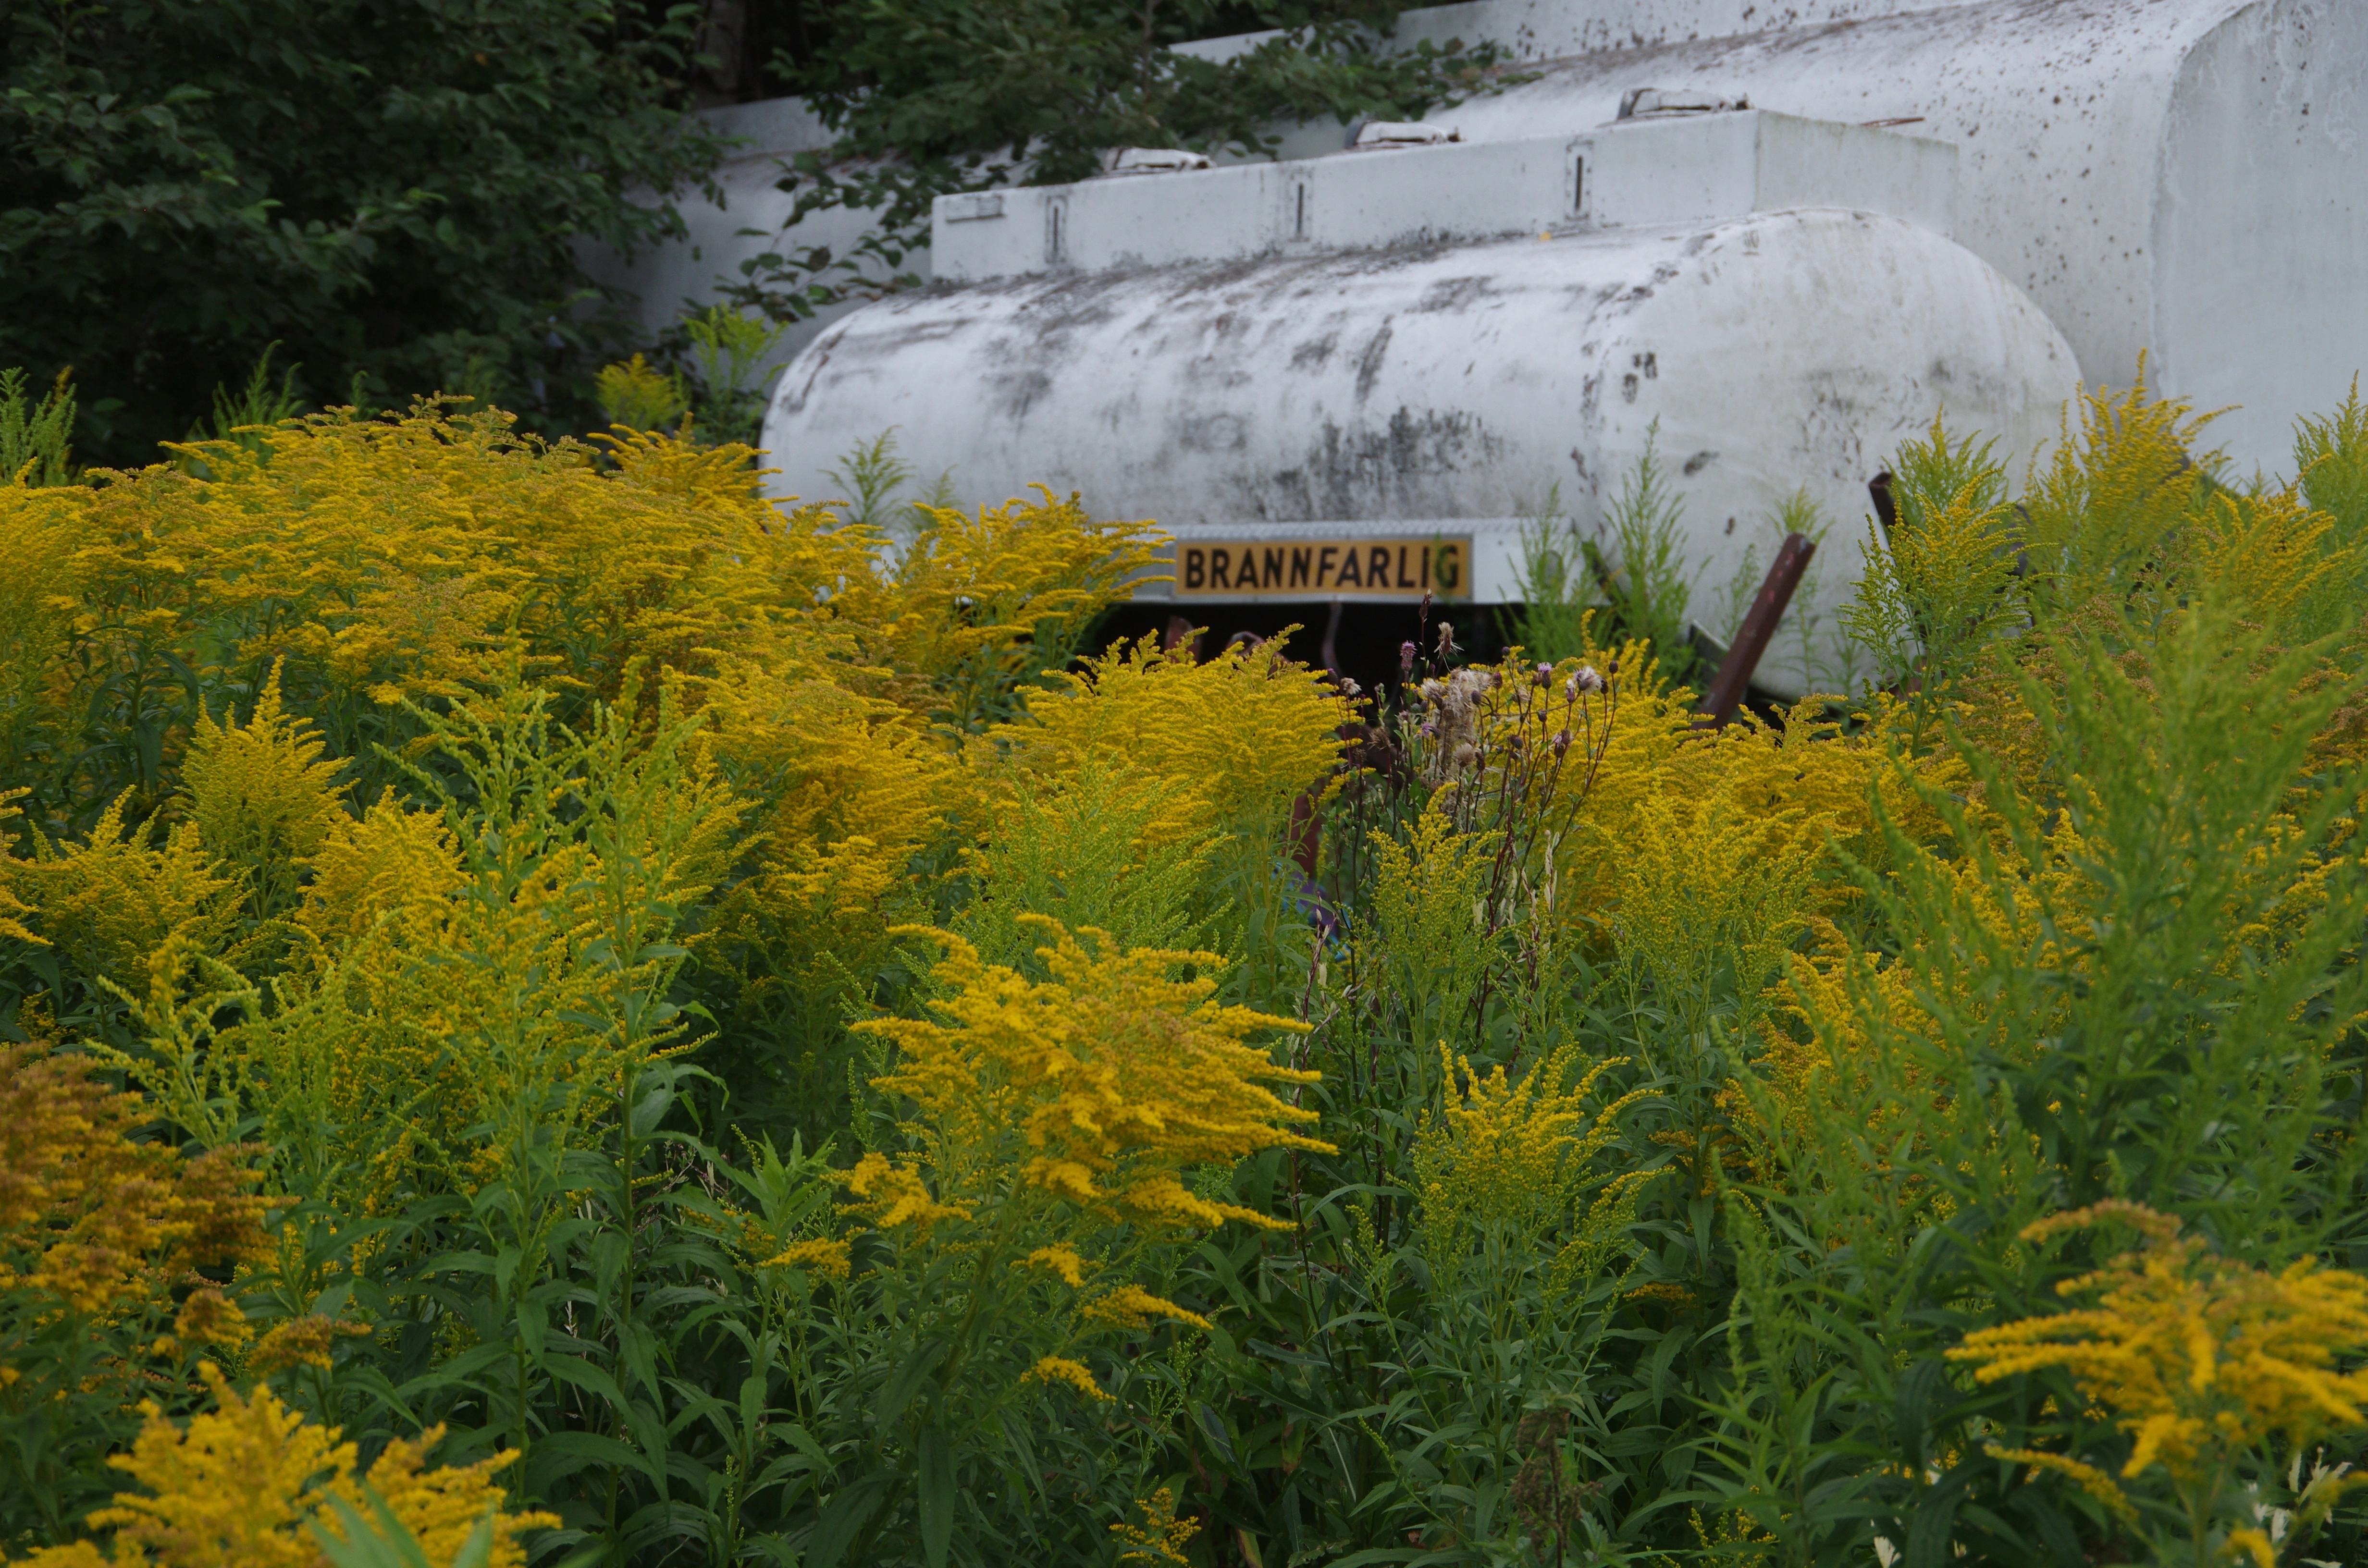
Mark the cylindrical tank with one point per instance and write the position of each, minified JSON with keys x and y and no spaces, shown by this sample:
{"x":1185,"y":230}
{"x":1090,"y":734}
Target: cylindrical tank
{"x":2179,"y":176}
{"x":1457,"y":390}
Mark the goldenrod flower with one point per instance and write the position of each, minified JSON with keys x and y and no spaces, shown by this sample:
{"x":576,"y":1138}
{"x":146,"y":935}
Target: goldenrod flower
{"x":1061,"y":1369}
{"x":1507,"y":1159}
{"x":824,"y":1256}
{"x":977,"y":598}
{"x":307,"y":1341}
{"x":109,"y":902}
{"x":1061,"y":1261}
{"x":1240,"y":736}
{"x":261,"y":797}
{"x":2253,"y":1543}
{"x":896,"y":1195}
{"x":1132,"y":1306}
{"x":1161,"y":1536}
{"x":2196,"y":1357}
{"x":101,"y":1223}
{"x":2087,"y":1477}
{"x":208,"y":1317}
{"x":240,"y":1484}
{"x":1114,"y":1076}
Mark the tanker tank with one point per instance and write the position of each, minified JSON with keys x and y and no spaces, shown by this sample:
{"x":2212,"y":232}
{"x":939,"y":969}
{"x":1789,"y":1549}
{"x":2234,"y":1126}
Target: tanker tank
{"x":1353,"y":378}
{"x":2176,"y":176}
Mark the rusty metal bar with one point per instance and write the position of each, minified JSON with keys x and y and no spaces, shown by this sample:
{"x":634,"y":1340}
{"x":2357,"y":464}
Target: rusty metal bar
{"x":1734,"y":677}
{"x":1886,"y":507}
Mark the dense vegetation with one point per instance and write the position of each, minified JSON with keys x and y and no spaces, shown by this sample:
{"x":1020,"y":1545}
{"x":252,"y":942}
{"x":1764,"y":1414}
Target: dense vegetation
{"x":391,"y":193}
{"x":399,"y":200}
{"x":561,"y":1011}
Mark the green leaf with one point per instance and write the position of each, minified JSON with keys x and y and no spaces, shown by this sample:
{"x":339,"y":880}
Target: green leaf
{"x":914,"y":1370}
{"x":937,"y":1495}
{"x":846,"y":1514}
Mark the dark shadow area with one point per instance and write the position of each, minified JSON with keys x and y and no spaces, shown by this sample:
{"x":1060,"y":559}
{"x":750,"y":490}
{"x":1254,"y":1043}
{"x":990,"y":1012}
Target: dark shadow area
{"x":1365,"y":643}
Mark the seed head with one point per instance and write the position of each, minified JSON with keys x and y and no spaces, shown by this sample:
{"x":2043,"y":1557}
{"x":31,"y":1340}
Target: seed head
{"x":1582,"y":679}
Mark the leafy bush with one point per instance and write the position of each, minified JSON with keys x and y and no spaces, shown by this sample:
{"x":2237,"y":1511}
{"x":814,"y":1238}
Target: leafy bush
{"x":391,"y":194}
{"x":738,"y":1043}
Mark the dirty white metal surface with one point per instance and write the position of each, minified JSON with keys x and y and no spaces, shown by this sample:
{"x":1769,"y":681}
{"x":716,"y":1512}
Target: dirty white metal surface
{"x":2187,"y":177}
{"x":1417,"y":390}
{"x":2183,"y":176}
{"x":1635,"y":172}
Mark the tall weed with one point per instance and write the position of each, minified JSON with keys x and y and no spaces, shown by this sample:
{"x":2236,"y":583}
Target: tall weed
{"x":781,"y":1052}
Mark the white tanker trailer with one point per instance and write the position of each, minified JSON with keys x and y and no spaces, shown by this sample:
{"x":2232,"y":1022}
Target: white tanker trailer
{"x":1777,"y":238}
{"x":1351,"y":378}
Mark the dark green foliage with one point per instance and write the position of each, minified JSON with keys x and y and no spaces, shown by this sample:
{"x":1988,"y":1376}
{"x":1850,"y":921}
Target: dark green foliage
{"x":389,"y":192}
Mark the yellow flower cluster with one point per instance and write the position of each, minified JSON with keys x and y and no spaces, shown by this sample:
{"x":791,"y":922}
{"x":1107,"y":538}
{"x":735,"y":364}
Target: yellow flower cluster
{"x":304,"y":1341}
{"x":96,"y":1223}
{"x":1050,"y":1369}
{"x":382,"y":558}
{"x":1161,"y":1536}
{"x":1114,"y":1076}
{"x":431,"y":994}
{"x":259,"y":796}
{"x":1713,"y":881}
{"x":2118,"y":487}
{"x":1503,"y":1151}
{"x":2196,"y":1357}
{"x":109,"y":904}
{"x":854,"y":791}
{"x":1240,"y":736}
{"x":979,"y":599}
{"x":1640,"y":775}
{"x":37,"y":606}
{"x":1508,"y":1159}
{"x":829,"y":1258}
{"x":245,"y":1485}
{"x":1429,"y":931}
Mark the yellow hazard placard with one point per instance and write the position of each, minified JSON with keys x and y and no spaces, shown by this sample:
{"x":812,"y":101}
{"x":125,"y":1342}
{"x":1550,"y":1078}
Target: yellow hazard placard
{"x":1397,"y":569}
